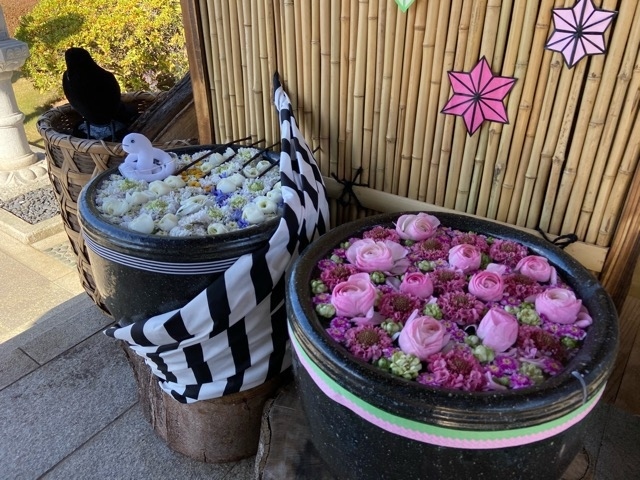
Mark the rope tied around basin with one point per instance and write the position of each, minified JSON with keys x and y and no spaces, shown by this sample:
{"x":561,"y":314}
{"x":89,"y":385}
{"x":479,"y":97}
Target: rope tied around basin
{"x":233,"y":335}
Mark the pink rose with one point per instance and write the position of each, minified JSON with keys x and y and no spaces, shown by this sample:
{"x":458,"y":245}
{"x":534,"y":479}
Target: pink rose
{"x":465,"y":257}
{"x":498,"y":268}
{"x":535,"y":267}
{"x":417,"y":227}
{"x":558,"y":305}
{"x":417,"y":284}
{"x":422,"y":336}
{"x":498,"y":329}
{"x":354,"y":298}
{"x":487,"y":286}
{"x":384,"y":256}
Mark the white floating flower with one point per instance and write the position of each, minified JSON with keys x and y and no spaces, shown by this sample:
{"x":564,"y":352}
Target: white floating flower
{"x":263,"y":165}
{"x":216,"y":228}
{"x":265,"y":204}
{"x":143,"y":224}
{"x":216,"y":159}
{"x":115,"y":206}
{"x":238,"y":179}
{"x":159,"y":187}
{"x":226,"y":185}
{"x":229,"y":152}
{"x":206,"y":167}
{"x":174,"y":181}
{"x":167,"y":222}
{"x":140,"y":198}
{"x":192,"y":205}
{"x":250,"y":172}
{"x":252,"y":214}
{"x":275,"y":195}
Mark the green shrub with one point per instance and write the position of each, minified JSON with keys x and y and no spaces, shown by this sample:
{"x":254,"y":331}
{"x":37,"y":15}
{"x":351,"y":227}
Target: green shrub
{"x":140,"y":41}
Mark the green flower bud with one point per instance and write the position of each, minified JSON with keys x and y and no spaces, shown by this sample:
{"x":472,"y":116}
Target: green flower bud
{"x":405,"y":366}
{"x":391,"y":327}
{"x":528,"y":316}
{"x":345,"y":245}
{"x":511,"y":309}
{"x":325,"y":310}
{"x":532,"y":371}
{"x":502,"y":381}
{"x":484,"y":354}
{"x":336,"y":259}
{"x":256,"y":186}
{"x":484,"y":261}
{"x":378,"y":277}
{"x":426,"y":265}
{"x":472,"y":340}
{"x":432,"y":310}
{"x":383,"y":363}
{"x":408,"y":242}
{"x":569,"y":342}
{"x":318,"y":286}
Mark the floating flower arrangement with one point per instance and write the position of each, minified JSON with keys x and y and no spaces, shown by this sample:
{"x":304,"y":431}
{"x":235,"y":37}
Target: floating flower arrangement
{"x":447,"y":308}
{"x":211,"y":193}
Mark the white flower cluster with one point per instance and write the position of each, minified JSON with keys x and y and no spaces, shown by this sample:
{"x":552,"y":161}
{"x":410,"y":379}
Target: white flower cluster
{"x":221,"y":193}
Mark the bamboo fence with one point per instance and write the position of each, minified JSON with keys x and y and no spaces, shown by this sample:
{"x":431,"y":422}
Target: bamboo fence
{"x":368,"y":83}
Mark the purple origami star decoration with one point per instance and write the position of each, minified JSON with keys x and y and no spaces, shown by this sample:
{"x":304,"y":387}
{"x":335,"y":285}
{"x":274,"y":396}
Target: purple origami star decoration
{"x":579,"y":31}
{"x":478,"y":95}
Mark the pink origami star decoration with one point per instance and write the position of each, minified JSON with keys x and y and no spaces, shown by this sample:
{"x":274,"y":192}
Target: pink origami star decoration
{"x":579,"y":31}
{"x":478,"y":95}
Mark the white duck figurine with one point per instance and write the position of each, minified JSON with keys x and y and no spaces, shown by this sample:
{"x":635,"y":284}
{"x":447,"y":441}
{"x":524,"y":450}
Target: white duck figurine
{"x":144,"y":161}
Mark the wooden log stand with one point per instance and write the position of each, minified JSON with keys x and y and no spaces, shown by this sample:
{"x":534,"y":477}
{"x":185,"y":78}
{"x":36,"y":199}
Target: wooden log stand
{"x":225,"y":429}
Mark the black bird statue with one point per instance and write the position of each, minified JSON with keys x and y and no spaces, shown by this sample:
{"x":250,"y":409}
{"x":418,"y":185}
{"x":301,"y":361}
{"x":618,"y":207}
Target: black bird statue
{"x":92,"y":91}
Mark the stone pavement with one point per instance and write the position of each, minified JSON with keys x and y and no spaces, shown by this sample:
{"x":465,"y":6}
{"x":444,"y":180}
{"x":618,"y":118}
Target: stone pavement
{"x":68,"y":399}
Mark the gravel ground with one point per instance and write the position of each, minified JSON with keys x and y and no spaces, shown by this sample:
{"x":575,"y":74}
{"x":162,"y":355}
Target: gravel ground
{"x":33,"y":206}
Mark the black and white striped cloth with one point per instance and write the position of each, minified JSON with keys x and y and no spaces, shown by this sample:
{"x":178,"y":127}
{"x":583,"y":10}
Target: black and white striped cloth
{"x":233,"y":335}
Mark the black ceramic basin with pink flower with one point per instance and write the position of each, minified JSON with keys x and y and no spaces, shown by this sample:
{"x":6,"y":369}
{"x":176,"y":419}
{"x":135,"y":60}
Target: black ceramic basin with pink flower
{"x":445,"y":346}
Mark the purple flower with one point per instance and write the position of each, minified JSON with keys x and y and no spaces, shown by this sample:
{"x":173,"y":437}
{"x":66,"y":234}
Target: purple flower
{"x":520,"y":286}
{"x":367,"y":342}
{"x":469,"y":238}
{"x":447,"y":280}
{"x":457,"y":369}
{"x":335,"y":273}
{"x":434,"y":248}
{"x":398,"y":306}
{"x":507,"y":252}
{"x":462,"y":308}
{"x":379,"y":233}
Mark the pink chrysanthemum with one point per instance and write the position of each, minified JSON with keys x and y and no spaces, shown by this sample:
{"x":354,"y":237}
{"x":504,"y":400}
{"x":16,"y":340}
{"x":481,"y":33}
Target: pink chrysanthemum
{"x":518,"y":380}
{"x":479,"y":241}
{"x":338,"y":272}
{"x":534,"y":340}
{"x":462,"y":308}
{"x":380,"y":233}
{"x":434,"y":248}
{"x":507,"y":252}
{"x":559,"y":330}
{"x":455,"y":332}
{"x":367,"y":342}
{"x":457,"y":369}
{"x":338,"y":327}
{"x":506,"y":364}
{"x":398,"y":306}
{"x":447,"y":280}
{"x":520,"y":286}
{"x":321,"y":298}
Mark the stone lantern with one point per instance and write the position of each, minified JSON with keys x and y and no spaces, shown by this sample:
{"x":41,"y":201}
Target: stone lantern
{"x":15,"y":153}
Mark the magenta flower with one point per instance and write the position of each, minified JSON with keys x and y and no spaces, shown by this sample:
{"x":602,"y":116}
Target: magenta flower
{"x":470,"y":239}
{"x":398,"y":306}
{"x":431,"y":249}
{"x":507,"y":252}
{"x":457,"y":369}
{"x":367,"y":342}
{"x":462,"y":308}
{"x":336,"y":273}
{"x":521,"y":287}
{"x":447,"y":280}
{"x":380,"y":233}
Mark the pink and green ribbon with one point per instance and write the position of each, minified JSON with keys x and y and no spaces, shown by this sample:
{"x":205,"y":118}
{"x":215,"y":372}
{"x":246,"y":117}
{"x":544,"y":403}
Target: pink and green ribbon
{"x":444,"y":437}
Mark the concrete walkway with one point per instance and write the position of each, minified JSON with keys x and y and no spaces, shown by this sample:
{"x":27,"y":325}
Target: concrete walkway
{"x":68,"y":399}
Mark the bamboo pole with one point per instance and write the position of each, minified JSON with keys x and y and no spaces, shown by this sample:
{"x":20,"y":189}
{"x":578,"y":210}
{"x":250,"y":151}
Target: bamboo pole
{"x":238,"y":78}
{"x":445,"y":177}
{"x":607,"y":100}
{"x":289,"y":47}
{"x":256,"y":80}
{"x":344,"y":82}
{"x":305,"y":72}
{"x":274,"y":63}
{"x":230,"y":61}
{"x":316,"y":79}
{"x":334,"y":108}
{"x":468,"y":145}
{"x":323,"y":112}
{"x":394,"y":100}
{"x":385,"y":93}
{"x":490,"y":152}
{"x":362,"y":57}
{"x":261,"y":95}
{"x":220,"y":74}
{"x":377,"y":97}
{"x":427,"y":66}
{"x":620,"y":186}
{"x":433,"y":105}
{"x":369,"y":89}
{"x":413,"y":88}
{"x":248,"y":66}
{"x":521,"y":41}
{"x":207,"y":35}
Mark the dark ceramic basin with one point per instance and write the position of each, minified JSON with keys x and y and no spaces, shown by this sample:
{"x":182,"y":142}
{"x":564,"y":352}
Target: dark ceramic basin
{"x":369,"y":424}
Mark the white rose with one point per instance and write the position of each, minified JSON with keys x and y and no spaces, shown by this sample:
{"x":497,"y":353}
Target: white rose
{"x":216,"y":229}
{"x":263,"y":165}
{"x":275,"y":195}
{"x":206,"y":167}
{"x":174,"y":181}
{"x":215,"y":159}
{"x":238,"y":179}
{"x":192,"y":205}
{"x":167,"y":222}
{"x":226,"y":185}
{"x":115,"y":206}
{"x":159,"y":187}
{"x":143,"y":224}
{"x":140,"y":198}
{"x":252,"y":214}
{"x":250,"y":172}
{"x":265,"y":204}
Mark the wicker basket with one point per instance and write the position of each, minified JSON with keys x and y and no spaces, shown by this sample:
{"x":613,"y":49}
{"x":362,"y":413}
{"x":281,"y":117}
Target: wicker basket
{"x":73,"y":161}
